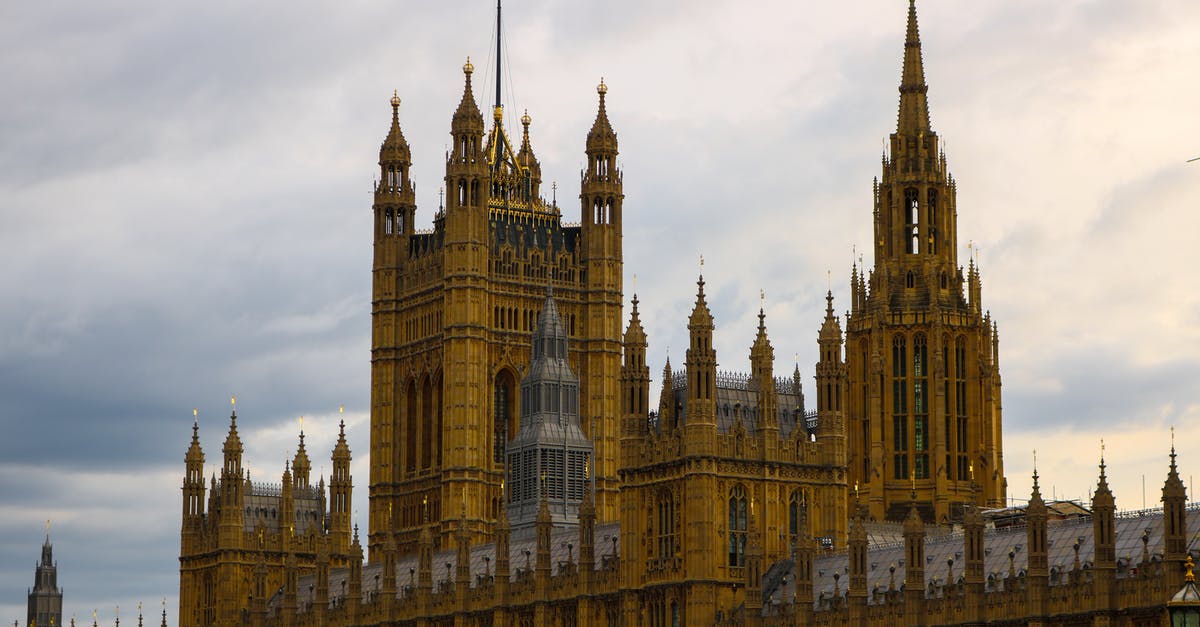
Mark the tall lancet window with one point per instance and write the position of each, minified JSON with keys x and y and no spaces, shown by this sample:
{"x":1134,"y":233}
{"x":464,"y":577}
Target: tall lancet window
{"x":796,"y":505}
{"x":737,"y":526}
{"x":900,"y":407}
{"x":912,"y":238}
{"x":931,"y":223}
{"x":920,"y":408}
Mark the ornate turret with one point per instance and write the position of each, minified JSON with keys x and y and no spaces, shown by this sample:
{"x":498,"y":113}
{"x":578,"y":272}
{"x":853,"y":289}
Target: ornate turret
{"x":543,"y":525}
{"x":762,"y":373}
{"x":354,"y":595}
{"x":232,"y":450}
{"x":193,"y":489}
{"x":395,"y":194}
{"x":1174,"y":499}
{"x":635,"y":388}
{"x":466,"y":165}
{"x":701,"y":427}
{"x":856,"y":591}
{"x":830,"y":374}
{"x":467,"y":118}
{"x":975,"y":557}
{"x":754,"y":559}
{"x":503,"y":537}
{"x":301,"y":466}
{"x":1104,"y":509}
{"x":531,"y":168}
{"x":587,"y":538}
{"x":601,"y":139}
{"x":914,"y":565}
{"x":803,"y":552}
{"x":232,"y":485}
{"x":667,"y":415}
{"x":341,"y":489}
{"x":1036,"y":543}
{"x":287,"y":504}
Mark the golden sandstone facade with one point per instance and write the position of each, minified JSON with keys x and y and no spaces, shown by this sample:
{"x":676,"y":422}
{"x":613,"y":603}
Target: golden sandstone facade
{"x":728,"y":503}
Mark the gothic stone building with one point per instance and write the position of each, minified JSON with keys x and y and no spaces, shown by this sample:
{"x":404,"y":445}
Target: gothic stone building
{"x":729,"y":504}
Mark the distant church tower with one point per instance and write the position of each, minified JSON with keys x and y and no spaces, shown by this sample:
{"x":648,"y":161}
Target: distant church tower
{"x":922,"y":363}
{"x":454,"y":308}
{"x":45,"y":598}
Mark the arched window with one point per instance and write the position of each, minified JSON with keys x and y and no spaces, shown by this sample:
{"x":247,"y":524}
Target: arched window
{"x":920,"y":407}
{"x":960,"y":407}
{"x":427,"y":418}
{"x":666,"y":525}
{"x":737,"y":526}
{"x":900,"y":407}
{"x":911,"y":219}
{"x":504,"y":425}
{"x":412,"y":431}
{"x":931,"y":222}
{"x":909,"y":280}
{"x":797,"y":510}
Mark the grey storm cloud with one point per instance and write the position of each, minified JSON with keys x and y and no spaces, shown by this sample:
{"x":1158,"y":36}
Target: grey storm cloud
{"x":185,"y":194}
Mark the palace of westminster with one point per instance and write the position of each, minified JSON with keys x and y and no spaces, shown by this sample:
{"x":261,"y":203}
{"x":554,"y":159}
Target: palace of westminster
{"x":520,"y":473}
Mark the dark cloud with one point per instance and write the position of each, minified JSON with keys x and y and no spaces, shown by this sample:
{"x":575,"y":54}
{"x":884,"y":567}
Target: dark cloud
{"x":184,"y":200}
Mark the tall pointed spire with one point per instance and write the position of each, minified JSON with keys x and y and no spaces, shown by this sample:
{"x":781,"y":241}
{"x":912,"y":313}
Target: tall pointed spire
{"x":301,"y":463}
{"x":602,"y":138}
{"x":914,"y":105}
{"x":395,"y":146}
{"x":467,"y":116}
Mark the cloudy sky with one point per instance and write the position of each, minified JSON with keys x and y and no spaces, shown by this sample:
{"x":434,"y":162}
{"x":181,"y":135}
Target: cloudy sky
{"x":185,"y":215}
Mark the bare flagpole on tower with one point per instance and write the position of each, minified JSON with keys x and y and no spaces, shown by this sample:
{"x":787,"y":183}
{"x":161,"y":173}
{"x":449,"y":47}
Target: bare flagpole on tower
{"x":498,"y":36}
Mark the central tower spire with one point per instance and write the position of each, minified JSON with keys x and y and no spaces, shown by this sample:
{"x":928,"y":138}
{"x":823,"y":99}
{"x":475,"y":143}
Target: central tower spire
{"x":923,"y":379}
{"x":914,"y":105}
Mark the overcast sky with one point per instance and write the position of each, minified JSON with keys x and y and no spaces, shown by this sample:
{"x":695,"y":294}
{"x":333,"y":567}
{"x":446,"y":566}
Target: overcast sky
{"x":185,"y":215}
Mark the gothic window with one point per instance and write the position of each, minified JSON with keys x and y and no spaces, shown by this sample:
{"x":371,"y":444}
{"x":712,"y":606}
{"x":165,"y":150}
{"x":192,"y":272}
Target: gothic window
{"x":387,"y":222}
{"x":412,"y":429}
{"x":737,"y":526}
{"x":945,"y":388}
{"x":960,"y":406}
{"x":865,"y":409}
{"x":900,"y":407}
{"x":920,"y":407}
{"x":796,"y":506}
{"x":909,"y":281}
{"x":931,"y":214}
{"x":911,"y":220}
{"x":503,"y":423}
{"x":666,"y":525}
{"x":427,"y":415}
